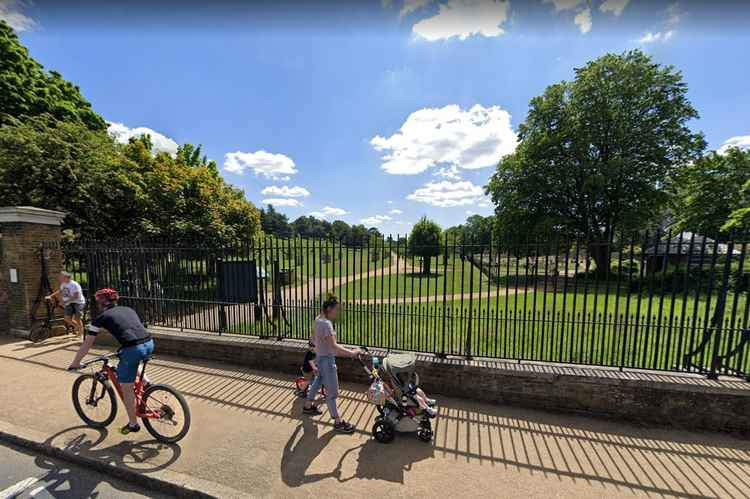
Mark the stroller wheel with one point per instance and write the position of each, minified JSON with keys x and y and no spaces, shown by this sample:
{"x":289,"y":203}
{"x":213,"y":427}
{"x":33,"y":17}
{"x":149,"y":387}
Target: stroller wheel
{"x":383,"y":431}
{"x":424,"y":434}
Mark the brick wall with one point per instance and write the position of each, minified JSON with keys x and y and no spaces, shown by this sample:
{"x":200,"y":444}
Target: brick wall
{"x":652,"y":399}
{"x":20,"y":250}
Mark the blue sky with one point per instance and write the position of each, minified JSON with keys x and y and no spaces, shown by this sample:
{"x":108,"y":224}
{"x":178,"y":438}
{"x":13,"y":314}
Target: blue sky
{"x":374,"y":112}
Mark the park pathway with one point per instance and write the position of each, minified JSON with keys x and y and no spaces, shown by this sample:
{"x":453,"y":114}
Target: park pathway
{"x":248,"y":434}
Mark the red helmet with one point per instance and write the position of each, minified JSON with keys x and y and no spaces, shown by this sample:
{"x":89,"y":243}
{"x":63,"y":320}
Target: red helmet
{"x":107,"y":295}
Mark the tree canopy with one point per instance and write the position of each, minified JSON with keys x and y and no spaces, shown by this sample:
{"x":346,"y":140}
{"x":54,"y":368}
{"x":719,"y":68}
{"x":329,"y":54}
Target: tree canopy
{"x":26,"y":89}
{"x":711,"y":191}
{"x":424,"y":241}
{"x":110,"y":190}
{"x":596,"y":154}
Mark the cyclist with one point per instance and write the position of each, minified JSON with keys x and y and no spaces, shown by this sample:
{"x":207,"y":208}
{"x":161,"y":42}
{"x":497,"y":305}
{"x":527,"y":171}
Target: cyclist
{"x":135,"y":341}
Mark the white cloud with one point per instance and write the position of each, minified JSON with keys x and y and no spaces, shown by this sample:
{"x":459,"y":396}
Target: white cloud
{"x":614,"y":6}
{"x":411,"y":6}
{"x":285,"y":191}
{"x":282,"y":202}
{"x":659,"y":36}
{"x":674,"y":14}
{"x":583,"y":20}
{"x":742,"y":142}
{"x":464,"y":18}
{"x":447,"y":136}
{"x":564,"y":4}
{"x":375,"y":220}
{"x":395,"y":211}
{"x":470,"y":212}
{"x":327,"y":212}
{"x":449,"y":172}
{"x":448,"y":194}
{"x":10,"y":12}
{"x":122,"y":134}
{"x":265,"y":164}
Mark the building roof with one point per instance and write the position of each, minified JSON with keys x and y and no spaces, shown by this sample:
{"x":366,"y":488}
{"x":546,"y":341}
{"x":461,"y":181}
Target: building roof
{"x":681,"y":243}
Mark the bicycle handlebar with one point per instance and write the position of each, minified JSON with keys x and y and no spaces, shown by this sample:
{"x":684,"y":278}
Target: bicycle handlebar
{"x":101,"y":358}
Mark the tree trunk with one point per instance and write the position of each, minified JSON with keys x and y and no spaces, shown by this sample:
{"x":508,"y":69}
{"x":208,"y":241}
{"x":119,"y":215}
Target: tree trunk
{"x":426,"y":265}
{"x":601,"y":252}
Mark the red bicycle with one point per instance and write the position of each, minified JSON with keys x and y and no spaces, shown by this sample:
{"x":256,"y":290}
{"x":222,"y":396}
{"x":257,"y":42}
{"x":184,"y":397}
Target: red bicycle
{"x":163,"y":410}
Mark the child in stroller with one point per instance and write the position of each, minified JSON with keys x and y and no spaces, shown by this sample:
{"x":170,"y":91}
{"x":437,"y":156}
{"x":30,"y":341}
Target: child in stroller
{"x":309,"y":370}
{"x":394,"y":389}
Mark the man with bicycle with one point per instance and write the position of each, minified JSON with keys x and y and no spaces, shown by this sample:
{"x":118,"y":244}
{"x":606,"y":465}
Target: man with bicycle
{"x":73,"y":301}
{"x":135,"y":341}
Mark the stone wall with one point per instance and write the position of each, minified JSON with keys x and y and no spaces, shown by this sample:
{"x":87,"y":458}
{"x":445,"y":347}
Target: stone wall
{"x":22,"y":232}
{"x":645,"y":398}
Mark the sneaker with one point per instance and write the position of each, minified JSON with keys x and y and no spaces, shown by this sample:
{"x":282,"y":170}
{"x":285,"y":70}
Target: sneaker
{"x":430,"y":402}
{"x":431,"y":412}
{"x":311,"y":411}
{"x":343,"y":427}
{"x":128,"y":429}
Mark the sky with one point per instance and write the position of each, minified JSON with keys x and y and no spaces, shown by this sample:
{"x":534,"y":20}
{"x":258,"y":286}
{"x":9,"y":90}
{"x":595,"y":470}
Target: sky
{"x":370,"y":112}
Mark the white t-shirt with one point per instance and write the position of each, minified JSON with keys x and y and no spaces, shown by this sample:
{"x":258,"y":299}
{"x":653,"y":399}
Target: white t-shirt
{"x":69,"y":290}
{"x":322,"y":329}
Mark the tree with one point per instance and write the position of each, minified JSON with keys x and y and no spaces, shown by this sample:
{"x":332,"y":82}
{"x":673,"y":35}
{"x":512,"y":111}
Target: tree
{"x":64,"y":166}
{"x":27,"y":90}
{"x":340,"y":231}
{"x":709,"y":191}
{"x":275,"y":223}
{"x":424,"y":241}
{"x":477,"y":232}
{"x":596,"y":154}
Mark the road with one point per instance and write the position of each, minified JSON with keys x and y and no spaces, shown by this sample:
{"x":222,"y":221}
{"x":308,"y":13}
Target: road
{"x":24,"y":475}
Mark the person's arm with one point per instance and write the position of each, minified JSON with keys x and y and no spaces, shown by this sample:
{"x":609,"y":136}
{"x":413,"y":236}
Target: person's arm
{"x":53,"y":295}
{"x":314,"y":366}
{"x":339,"y":350}
{"x":77,"y":293}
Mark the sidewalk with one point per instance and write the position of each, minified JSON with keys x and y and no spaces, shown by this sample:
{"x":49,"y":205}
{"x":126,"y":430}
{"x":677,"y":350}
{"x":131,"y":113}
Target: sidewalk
{"x":247,"y":434}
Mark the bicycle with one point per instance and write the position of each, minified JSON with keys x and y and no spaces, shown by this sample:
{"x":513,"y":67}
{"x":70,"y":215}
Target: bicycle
{"x":155,"y":403}
{"x":43,"y":326}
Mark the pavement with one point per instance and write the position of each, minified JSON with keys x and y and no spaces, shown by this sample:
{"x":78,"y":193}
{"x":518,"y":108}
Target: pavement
{"x":248,"y":438}
{"x":24,"y":474}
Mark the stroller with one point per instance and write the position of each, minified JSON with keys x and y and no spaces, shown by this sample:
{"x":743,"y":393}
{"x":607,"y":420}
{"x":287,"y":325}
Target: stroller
{"x":393,"y":384}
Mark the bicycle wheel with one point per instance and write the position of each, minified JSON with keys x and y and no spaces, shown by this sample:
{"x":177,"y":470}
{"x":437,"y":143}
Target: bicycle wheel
{"x":173,"y":422}
{"x":94,"y":401}
{"x":39,"y":331}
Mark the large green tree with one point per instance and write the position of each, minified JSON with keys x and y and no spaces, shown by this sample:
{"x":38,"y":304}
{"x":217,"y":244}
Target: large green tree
{"x":26,"y":89}
{"x":274,"y":222}
{"x":709,"y":190}
{"x":424,"y":241}
{"x":596,"y":153}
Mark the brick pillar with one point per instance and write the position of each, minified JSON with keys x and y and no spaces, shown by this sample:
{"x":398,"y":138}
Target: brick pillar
{"x":23,"y":229}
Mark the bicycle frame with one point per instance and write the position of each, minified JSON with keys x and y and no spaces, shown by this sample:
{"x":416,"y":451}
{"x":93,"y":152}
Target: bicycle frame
{"x":107,"y":374}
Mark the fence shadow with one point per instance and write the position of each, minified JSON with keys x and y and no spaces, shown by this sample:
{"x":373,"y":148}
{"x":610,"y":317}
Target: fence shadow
{"x":614,"y":456}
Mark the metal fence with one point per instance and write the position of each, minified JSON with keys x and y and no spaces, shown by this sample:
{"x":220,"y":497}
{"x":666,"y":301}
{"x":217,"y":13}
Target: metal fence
{"x":652,"y":301}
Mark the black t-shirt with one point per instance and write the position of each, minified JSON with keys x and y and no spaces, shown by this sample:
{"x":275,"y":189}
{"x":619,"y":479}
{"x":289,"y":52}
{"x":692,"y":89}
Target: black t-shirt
{"x":306,"y":367}
{"x":123,"y":323}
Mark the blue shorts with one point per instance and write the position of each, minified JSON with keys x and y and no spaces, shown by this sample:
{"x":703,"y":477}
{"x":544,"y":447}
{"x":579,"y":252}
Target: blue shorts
{"x":130,"y":359}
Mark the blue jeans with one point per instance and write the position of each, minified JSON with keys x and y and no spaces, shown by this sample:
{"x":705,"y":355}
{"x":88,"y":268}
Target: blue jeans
{"x":130,"y":359}
{"x":328,"y":377}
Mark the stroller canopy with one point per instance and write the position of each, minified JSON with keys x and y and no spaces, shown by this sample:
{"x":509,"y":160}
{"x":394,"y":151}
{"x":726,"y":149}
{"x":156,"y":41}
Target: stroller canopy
{"x":400,"y":363}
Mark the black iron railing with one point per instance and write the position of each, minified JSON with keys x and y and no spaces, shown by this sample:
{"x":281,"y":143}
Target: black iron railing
{"x":652,"y":301}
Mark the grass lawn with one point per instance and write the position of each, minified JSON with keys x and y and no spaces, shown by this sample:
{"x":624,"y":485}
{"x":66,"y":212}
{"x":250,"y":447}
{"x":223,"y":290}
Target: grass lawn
{"x":454,"y":279}
{"x":580,"y":329}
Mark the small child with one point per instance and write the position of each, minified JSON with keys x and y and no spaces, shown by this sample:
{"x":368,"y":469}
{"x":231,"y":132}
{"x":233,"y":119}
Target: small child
{"x":309,"y":367}
{"x":425,"y":403}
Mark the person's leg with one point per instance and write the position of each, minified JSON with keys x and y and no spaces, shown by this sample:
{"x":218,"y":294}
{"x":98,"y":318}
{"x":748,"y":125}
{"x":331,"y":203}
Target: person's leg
{"x":78,"y":323}
{"x":68,"y":321}
{"x":128,"y":397}
{"x":331,"y":382}
{"x":312,"y":392}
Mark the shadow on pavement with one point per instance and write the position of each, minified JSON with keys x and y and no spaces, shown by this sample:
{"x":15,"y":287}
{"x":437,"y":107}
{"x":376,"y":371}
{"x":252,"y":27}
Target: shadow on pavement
{"x":141,"y":456}
{"x":619,"y":456}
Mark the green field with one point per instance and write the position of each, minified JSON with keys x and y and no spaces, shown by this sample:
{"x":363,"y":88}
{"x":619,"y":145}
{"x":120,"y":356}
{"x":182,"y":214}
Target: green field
{"x":453,"y":279}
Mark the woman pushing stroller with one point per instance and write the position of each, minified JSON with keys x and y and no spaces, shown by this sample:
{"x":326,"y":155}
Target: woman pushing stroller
{"x":327,"y":349}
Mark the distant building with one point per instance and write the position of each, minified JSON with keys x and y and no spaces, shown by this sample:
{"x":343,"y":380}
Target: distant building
{"x":684,"y":248}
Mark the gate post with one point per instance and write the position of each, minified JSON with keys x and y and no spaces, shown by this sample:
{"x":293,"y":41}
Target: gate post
{"x":23,"y":230}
